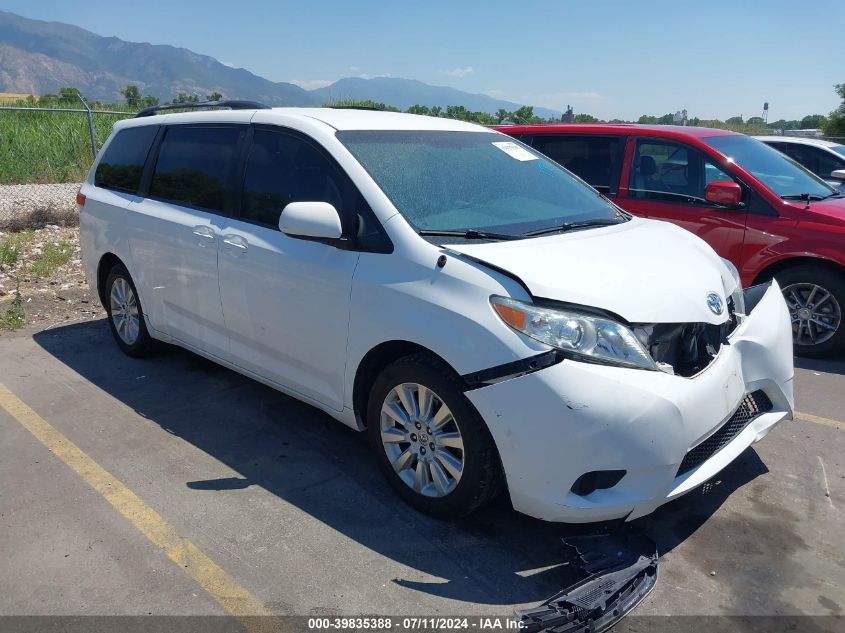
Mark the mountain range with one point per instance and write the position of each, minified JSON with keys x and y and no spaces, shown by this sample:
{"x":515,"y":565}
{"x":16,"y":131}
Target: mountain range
{"x":39,"y":57}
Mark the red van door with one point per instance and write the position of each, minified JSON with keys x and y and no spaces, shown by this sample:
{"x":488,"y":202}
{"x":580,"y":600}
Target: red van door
{"x":666,"y":181}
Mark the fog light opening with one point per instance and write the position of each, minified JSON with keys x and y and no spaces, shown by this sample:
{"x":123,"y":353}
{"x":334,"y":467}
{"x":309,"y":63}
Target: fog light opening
{"x":594,"y":480}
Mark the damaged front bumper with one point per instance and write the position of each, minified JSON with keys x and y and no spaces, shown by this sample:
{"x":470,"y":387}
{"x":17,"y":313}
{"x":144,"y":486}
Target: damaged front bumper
{"x":557,"y":425}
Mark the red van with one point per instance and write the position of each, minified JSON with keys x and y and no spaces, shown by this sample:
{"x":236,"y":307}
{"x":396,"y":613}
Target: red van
{"x":753,"y":205}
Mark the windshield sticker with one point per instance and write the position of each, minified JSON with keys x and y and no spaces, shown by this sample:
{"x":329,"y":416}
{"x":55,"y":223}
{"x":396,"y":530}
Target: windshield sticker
{"x":515,"y":151}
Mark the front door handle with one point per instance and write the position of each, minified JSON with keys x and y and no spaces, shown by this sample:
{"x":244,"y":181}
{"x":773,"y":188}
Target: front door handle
{"x":204,"y":233}
{"x":236,"y":241}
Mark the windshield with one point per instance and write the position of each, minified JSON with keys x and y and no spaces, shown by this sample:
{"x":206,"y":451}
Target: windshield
{"x":474,"y":181}
{"x":778,"y":172}
{"x":839,"y":149}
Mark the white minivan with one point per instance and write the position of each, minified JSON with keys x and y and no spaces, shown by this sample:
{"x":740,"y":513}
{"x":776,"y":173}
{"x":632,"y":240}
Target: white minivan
{"x":492,"y":322}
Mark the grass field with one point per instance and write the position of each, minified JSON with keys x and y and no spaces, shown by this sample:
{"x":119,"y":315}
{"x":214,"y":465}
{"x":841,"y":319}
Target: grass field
{"x":43,"y":147}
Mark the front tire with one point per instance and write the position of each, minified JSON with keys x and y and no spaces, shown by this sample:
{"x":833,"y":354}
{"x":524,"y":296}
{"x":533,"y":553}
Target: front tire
{"x":429,"y":441}
{"x":816,"y":299}
{"x":126,"y":317}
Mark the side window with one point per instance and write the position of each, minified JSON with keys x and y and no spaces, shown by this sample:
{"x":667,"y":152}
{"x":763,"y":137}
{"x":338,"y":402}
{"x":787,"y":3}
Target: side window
{"x":671,"y":172}
{"x":713,"y":173}
{"x":594,"y":159}
{"x":122,"y":164}
{"x":816,"y":160}
{"x":282,"y":168}
{"x":196,"y":166}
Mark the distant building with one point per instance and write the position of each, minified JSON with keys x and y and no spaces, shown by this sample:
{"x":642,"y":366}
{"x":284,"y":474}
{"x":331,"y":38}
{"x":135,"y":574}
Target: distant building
{"x":568,"y":116}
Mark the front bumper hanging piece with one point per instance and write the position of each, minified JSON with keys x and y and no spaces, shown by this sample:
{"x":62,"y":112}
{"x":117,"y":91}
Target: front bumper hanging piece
{"x":620,"y":571}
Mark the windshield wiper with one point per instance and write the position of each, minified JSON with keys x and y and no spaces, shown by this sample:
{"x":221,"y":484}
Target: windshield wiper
{"x":806,"y":197}
{"x":568,"y":226}
{"x":470,"y":234}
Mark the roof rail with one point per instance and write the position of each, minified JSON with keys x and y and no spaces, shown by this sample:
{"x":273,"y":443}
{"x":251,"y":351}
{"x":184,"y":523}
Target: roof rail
{"x":231,"y":104}
{"x":358,"y":107}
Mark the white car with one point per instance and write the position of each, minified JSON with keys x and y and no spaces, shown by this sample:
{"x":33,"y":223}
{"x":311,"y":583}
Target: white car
{"x":492,"y":321}
{"x":825,"y":159}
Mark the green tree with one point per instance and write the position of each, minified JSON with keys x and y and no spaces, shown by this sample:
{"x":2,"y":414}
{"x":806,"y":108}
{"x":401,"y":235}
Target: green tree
{"x":647,"y":119}
{"x":436,"y":111}
{"x":666,"y":119}
{"x":184,"y":97}
{"x":132,"y":94}
{"x":585,"y":118}
{"x":419,"y":109}
{"x":734,"y":120}
{"x":148,"y":101}
{"x":214,"y":96}
{"x":835,"y":125}
{"x":525,"y":114}
{"x":783,"y":124}
{"x":756,"y":120}
{"x":502,"y":115}
{"x":69,"y":95}
{"x":813,"y":122}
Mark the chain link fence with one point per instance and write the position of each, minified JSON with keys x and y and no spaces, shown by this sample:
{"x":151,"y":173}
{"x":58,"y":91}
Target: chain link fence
{"x":52,"y":144}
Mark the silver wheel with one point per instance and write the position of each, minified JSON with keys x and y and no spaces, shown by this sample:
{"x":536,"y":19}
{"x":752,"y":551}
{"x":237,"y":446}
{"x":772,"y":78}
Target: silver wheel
{"x":422,"y":440}
{"x":815,"y":312}
{"x":124,"y":311}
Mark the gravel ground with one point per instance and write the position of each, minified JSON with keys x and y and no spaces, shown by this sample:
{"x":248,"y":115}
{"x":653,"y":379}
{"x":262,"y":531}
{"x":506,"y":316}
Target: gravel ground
{"x":44,"y":203}
{"x":59,"y":296}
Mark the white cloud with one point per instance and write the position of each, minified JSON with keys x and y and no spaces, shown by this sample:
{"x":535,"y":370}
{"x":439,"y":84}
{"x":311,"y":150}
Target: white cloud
{"x":458,"y":72}
{"x":311,"y":84}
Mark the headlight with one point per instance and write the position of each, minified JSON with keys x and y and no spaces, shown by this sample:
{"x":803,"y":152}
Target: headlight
{"x":580,"y":334}
{"x":737,"y":296}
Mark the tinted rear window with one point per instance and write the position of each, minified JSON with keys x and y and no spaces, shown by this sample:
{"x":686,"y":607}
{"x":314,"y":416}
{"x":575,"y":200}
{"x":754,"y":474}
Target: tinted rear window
{"x":123,"y":162}
{"x":196,"y":165}
{"x":591,"y":158}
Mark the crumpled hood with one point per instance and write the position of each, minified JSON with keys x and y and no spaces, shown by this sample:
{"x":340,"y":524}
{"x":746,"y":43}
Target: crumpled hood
{"x":645,"y":271}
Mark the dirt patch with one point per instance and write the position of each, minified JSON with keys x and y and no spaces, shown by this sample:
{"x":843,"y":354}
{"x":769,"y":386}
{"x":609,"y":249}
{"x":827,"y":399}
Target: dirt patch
{"x":41,"y":280}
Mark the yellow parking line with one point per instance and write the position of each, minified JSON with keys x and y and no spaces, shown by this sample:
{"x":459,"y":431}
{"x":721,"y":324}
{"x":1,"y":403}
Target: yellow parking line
{"x":221,"y":586}
{"x":817,"y":419}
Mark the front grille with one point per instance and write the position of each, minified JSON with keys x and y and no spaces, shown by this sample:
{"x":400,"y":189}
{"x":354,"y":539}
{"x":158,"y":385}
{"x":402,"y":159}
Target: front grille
{"x":752,"y":405}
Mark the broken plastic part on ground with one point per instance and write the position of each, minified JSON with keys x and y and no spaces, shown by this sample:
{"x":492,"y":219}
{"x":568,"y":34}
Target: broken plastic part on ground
{"x":619,"y":569}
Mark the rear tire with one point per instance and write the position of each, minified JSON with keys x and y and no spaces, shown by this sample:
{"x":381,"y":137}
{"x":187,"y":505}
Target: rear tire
{"x":125,"y":314}
{"x":440,"y":458}
{"x":816,"y":299}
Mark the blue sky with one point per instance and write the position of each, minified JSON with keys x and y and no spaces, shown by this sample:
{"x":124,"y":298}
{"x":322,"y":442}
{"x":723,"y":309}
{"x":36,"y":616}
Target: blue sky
{"x":609,"y":58}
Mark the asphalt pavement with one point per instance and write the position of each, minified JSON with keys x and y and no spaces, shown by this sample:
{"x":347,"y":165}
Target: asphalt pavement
{"x":174,"y":486}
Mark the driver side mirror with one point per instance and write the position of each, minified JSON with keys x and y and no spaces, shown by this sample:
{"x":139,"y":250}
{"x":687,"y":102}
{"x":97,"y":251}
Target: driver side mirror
{"x":839,"y":175}
{"x":725,"y":193}
{"x":315,"y":220}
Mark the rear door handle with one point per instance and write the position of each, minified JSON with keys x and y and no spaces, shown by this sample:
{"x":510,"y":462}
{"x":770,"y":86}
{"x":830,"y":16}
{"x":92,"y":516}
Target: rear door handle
{"x":236,"y":242}
{"x":204,"y":233}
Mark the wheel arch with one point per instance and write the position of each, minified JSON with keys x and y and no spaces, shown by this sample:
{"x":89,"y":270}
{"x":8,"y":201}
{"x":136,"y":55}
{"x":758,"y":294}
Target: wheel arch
{"x":771,"y":271}
{"x":373,"y":363}
{"x":104,"y":266}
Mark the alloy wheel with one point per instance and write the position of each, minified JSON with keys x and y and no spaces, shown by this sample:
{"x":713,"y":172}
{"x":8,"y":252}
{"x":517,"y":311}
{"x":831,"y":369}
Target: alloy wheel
{"x":422,"y":440}
{"x":814,"y":311}
{"x":124,"y":311}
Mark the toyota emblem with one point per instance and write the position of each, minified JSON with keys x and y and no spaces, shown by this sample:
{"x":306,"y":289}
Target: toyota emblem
{"x":714,"y":302}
